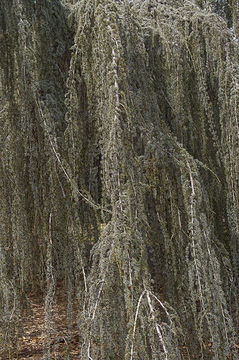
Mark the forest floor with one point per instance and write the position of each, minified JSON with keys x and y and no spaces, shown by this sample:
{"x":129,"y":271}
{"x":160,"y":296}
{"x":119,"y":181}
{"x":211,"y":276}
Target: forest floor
{"x":31,"y":343}
{"x":32,"y":340}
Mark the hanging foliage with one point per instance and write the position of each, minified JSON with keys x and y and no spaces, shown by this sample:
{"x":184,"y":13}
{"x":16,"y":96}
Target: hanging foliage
{"x":119,"y":175}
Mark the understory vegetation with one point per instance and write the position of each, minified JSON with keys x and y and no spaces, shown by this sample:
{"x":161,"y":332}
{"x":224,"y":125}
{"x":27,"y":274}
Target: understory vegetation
{"x":119,"y":174}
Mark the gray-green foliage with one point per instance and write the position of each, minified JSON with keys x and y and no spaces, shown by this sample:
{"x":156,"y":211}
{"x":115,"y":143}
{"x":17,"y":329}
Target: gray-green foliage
{"x":119,"y":172}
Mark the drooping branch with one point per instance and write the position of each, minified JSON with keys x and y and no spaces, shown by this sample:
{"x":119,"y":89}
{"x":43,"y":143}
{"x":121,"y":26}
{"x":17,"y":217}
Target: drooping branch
{"x":119,"y":172}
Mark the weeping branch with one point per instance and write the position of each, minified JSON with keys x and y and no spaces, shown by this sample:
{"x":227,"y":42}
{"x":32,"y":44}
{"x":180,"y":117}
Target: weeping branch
{"x":119,"y":173}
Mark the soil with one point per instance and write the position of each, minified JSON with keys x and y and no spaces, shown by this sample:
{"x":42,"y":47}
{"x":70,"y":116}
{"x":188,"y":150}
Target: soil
{"x":31,"y":342}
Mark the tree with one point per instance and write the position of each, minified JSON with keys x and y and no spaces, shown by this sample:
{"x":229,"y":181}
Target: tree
{"x":119,"y":172}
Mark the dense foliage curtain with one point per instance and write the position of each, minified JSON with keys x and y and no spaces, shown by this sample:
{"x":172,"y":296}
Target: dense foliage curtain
{"x":119,"y":173}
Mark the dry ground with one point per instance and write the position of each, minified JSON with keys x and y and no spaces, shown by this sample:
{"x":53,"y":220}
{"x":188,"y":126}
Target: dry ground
{"x":31,"y":342}
{"x":63,"y":347}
